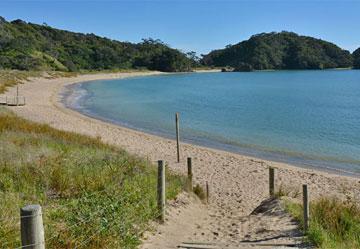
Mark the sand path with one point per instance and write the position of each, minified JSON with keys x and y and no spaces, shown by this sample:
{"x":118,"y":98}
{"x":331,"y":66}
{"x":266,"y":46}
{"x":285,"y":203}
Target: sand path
{"x":238,"y":184}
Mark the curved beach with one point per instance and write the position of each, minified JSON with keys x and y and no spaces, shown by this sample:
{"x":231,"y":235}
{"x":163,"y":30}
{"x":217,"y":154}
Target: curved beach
{"x":238,"y":183}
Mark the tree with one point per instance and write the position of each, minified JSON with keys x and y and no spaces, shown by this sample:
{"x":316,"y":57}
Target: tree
{"x":195,"y":60}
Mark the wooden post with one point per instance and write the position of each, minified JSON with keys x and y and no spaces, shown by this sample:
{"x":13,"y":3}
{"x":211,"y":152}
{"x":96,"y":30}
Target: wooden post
{"x":32,"y":229}
{"x":177,"y":137}
{"x":190,"y":174}
{"x":306,"y":206}
{"x":17,"y":95}
{"x":207,"y":192}
{"x":272,"y":181}
{"x":161,"y":190}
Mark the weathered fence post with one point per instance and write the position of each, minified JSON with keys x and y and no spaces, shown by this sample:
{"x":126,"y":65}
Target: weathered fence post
{"x":272,"y":181}
{"x":207,"y":192}
{"x":306,"y":206}
{"x":190,"y":174}
{"x":17,"y":95}
{"x":32,"y":229}
{"x":161,"y":190}
{"x":177,"y":136}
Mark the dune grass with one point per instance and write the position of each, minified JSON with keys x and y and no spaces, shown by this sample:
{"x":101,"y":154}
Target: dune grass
{"x":333,"y":223}
{"x":93,"y":195}
{"x":9,"y":78}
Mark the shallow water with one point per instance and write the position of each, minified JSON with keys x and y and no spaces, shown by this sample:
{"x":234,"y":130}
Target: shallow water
{"x":308,"y":118}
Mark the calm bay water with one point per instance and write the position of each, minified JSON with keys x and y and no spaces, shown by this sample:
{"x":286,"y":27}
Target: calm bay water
{"x":308,"y":118}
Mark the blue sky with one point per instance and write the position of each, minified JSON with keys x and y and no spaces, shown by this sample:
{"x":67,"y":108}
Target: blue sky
{"x":195,"y":25}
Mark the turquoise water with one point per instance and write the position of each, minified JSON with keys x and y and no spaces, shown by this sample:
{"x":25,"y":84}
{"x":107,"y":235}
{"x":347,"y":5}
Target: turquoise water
{"x":309,"y":118}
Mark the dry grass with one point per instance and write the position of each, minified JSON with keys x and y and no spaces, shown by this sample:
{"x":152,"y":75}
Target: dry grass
{"x":9,"y":78}
{"x":286,"y":190}
{"x":199,"y":191}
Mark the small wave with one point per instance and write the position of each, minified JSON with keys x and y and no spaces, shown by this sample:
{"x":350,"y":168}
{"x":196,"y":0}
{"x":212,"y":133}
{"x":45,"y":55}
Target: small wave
{"x":75,"y":96}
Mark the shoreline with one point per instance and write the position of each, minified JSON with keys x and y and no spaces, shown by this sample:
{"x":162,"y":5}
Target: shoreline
{"x":57,"y":100}
{"x":73,"y":94}
{"x":237,"y":183}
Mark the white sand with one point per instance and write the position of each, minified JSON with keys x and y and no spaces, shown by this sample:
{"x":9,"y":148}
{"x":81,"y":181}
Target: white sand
{"x":238,"y":183}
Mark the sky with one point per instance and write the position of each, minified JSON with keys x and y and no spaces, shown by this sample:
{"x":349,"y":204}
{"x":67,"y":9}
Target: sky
{"x":197,"y":25}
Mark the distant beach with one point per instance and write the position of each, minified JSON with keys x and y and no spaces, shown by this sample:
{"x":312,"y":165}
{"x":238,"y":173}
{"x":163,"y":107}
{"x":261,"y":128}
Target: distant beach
{"x":238,"y":183}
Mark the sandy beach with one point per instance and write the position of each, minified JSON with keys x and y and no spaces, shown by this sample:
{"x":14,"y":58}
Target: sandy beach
{"x":238,"y":184}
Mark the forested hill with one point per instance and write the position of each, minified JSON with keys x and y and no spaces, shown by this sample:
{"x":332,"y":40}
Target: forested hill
{"x":284,"y":50}
{"x":356,"y":56}
{"x":28,"y":46}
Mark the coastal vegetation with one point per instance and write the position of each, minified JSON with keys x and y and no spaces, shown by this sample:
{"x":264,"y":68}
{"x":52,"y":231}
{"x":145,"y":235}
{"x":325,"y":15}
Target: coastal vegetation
{"x":9,"y":78}
{"x":276,"y":51}
{"x":28,"y":46}
{"x":334,"y":224}
{"x":356,"y":56}
{"x":92,"y":194}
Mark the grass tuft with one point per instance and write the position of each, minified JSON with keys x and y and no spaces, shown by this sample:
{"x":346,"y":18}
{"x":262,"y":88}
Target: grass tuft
{"x":288,"y":191}
{"x":199,"y":191}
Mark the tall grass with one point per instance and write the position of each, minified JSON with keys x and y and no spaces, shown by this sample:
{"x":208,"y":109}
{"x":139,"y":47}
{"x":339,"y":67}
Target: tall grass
{"x":333,"y":223}
{"x":93,"y":195}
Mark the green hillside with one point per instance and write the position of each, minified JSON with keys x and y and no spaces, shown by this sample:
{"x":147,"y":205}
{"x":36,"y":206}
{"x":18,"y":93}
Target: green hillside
{"x":356,"y":56}
{"x":27,"y":46}
{"x":284,"y":50}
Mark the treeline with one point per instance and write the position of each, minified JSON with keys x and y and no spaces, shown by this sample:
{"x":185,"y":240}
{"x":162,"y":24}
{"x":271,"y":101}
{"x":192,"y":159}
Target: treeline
{"x":284,"y":50}
{"x":27,"y":46}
